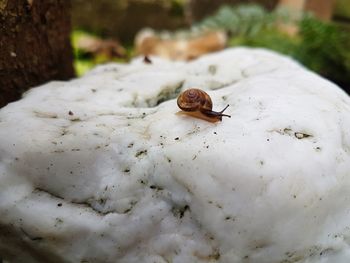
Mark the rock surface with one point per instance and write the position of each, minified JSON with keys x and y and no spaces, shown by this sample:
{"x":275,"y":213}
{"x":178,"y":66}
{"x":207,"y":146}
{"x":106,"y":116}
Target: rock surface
{"x":102,"y":169}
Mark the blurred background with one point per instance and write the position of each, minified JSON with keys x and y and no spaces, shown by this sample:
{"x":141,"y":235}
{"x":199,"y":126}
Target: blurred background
{"x":44,"y":40}
{"x":314,"y":32}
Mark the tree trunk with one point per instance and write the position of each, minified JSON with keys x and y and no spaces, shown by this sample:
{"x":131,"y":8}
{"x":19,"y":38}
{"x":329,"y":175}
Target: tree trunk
{"x":34,"y":45}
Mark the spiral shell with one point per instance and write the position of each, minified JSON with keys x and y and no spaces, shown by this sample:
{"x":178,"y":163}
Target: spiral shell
{"x":194,"y":100}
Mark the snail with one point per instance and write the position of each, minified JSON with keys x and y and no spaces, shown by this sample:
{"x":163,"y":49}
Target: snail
{"x":198,"y":104}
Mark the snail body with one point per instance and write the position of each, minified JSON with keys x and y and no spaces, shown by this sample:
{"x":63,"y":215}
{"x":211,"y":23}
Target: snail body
{"x":197,"y":103}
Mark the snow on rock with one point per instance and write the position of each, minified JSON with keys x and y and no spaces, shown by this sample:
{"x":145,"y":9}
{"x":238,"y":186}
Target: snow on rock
{"x":102,"y":169}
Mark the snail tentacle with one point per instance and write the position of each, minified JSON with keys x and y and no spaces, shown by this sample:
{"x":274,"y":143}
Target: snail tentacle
{"x":216,"y":114}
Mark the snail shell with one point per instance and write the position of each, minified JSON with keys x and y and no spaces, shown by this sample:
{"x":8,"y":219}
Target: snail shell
{"x":194,"y":100}
{"x":197,"y":103}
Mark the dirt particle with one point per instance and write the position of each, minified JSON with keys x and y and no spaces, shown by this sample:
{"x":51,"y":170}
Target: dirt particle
{"x":156,"y":187}
{"x":177,"y":138}
{"x":59,"y":204}
{"x":59,"y":220}
{"x":131,"y":145}
{"x":216,"y":255}
{"x":126,"y":210}
{"x":301,"y":135}
{"x":147,"y":60}
{"x":36,"y":239}
{"x":212,"y":69}
{"x":143,"y":182}
{"x":180,"y":211}
{"x":70,"y":113}
{"x":141,"y":154}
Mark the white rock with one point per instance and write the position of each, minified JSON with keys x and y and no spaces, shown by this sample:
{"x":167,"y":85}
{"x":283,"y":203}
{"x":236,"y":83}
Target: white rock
{"x":102,"y":169}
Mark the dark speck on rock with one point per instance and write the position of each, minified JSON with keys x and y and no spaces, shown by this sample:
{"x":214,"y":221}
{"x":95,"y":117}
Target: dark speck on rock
{"x":141,"y":153}
{"x":156,"y":187}
{"x":212,"y":69}
{"x":130,"y":145}
{"x":147,"y":60}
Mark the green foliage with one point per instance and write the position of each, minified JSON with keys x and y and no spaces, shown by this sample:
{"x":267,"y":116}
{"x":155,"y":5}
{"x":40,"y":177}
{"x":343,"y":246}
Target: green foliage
{"x":342,"y":8}
{"x":83,"y":61}
{"x":247,"y":20}
{"x":177,"y":8}
{"x":321,"y":46}
{"x":270,"y":38}
{"x":324,"y":48}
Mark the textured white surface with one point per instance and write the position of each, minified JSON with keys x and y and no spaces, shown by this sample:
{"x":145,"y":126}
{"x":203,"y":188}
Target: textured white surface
{"x":99,"y":169}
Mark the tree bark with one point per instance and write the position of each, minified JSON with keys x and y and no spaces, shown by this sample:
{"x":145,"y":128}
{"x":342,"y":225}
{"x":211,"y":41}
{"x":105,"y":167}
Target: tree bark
{"x":34,"y":45}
